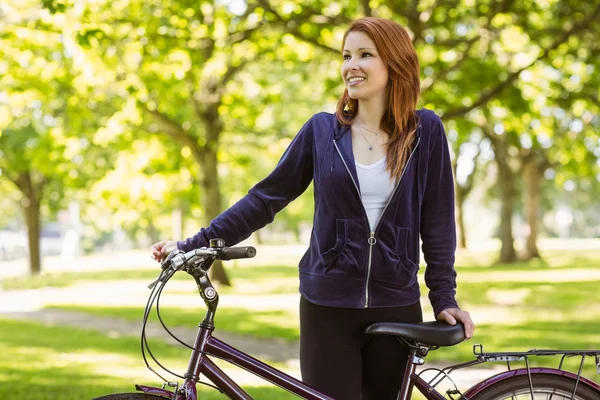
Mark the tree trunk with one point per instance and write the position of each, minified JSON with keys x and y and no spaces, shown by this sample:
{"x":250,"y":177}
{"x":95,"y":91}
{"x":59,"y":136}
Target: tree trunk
{"x":532,"y":176}
{"x":462,"y":192}
{"x":506,"y":184}
{"x":460,"y":218}
{"x":152,"y":232}
{"x":32,"y":214}
{"x":32,"y":194}
{"x":210,"y":184}
{"x":177,"y":230}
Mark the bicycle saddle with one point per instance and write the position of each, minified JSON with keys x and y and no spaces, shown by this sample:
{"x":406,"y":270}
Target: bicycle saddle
{"x":428,"y":333}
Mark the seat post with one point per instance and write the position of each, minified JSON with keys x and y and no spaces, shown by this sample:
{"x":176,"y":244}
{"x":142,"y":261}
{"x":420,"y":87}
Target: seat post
{"x":411,"y":367}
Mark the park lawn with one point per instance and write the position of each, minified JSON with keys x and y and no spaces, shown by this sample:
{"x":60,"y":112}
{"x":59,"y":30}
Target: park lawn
{"x":286,"y":278}
{"x":507,"y":304}
{"x":277,"y":324}
{"x":287,"y":275}
{"x":518,"y":314}
{"x":40,"y":362}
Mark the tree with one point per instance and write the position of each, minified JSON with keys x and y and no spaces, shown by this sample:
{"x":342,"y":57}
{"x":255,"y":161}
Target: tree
{"x":472,"y":56}
{"x":44,"y":118}
{"x":182,"y":62}
{"x":466,"y":167}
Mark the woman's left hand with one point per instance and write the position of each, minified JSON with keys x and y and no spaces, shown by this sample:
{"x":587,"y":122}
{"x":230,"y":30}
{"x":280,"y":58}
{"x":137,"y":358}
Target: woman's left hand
{"x":451,"y":315}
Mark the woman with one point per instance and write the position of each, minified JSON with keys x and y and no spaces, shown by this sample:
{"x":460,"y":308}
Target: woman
{"x":383,"y":180}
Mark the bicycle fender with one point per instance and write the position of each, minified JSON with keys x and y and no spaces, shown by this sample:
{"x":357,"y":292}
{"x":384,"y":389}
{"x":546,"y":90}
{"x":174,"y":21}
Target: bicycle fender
{"x":472,"y":391}
{"x":167,"y":394}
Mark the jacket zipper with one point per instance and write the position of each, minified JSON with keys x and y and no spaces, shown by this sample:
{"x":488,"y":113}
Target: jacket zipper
{"x":372,"y":240}
{"x":397,"y":184}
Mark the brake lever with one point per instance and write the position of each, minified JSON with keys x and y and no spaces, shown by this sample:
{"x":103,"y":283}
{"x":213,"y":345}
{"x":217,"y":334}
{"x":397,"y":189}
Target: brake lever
{"x":165,"y":266}
{"x":159,"y":279}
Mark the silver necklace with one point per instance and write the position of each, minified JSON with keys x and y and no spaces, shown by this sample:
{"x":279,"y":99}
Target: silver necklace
{"x":363,"y":135}
{"x":376,"y":133}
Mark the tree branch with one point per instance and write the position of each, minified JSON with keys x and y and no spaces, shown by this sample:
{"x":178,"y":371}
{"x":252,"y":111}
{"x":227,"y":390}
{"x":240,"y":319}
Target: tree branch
{"x":231,"y":71}
{"x":173,"y":129}
{"x":453,"y":67}
{"x":291,"y":26}
{"x":468,"y":186}
{"x":595,"y":99}
{"x":241,"y":36}
{"x":489,"y":94}
{"x":191,"y":80}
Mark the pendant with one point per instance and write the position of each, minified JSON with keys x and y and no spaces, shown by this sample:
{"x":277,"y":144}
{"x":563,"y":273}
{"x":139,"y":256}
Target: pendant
{"x":370,"y":148}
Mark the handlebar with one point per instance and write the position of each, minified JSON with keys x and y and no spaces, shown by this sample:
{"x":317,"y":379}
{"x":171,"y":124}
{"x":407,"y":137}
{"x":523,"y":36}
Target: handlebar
{"x":232,"y":253}
{"x":202,"y":258}
{"x":197,"y":262}
{"x":178,"y":258}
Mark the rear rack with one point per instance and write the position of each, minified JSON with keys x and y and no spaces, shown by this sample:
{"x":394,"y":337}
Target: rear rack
{"x":509,"y":356}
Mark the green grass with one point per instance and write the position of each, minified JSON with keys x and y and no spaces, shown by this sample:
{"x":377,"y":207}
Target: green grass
{"x":280,"y":324}
{"x":65,"y":279}
{"x":536,"y":296}
{"x":42,"y":363}
{"x":519,"y":309}
{"x":237,"y":275}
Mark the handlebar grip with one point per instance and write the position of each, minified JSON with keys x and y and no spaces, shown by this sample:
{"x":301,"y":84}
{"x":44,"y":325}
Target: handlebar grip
{"x":232,"y":253}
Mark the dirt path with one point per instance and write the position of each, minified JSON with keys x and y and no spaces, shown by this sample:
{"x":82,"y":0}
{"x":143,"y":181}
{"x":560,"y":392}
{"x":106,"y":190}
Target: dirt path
{"x":270,"y":350}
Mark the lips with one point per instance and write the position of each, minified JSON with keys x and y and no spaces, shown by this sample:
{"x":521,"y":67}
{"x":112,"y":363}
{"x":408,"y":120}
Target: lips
{"x":355,"y":80}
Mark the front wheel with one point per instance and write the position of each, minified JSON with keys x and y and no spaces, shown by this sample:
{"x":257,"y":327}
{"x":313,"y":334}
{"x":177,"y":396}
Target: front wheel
{"x":130,"y":396}
{"x":545,"y":386}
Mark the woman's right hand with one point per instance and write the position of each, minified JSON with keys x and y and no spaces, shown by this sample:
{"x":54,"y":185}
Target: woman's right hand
{"x":161,"y":250}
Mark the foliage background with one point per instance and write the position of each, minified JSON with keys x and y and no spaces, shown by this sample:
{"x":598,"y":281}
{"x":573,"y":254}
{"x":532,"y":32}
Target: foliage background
{"x":125,"y":122}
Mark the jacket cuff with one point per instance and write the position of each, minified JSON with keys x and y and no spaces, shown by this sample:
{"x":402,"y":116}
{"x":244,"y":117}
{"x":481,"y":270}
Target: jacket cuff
{"x":441,"y":305}
{"x":186,"y":245}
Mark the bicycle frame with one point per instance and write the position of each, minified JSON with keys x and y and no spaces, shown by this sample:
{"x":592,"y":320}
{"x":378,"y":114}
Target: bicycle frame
{"x":200,"y":363}
{"x":207,"y":345}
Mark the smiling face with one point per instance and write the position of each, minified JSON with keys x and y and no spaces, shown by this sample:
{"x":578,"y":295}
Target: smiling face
{"x":363,"y":70}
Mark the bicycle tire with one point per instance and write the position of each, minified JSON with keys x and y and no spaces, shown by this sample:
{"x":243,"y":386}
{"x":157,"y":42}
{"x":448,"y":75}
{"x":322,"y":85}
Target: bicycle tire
{"x":517,"y":388}
{"x":129,"y":396}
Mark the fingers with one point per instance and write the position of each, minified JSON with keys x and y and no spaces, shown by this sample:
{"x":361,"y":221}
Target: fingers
{"x":469,"y":325}
{"x":465,"y":318}
{"x":159,"y":251}
{"x":447,"y":317}
{"x":156,"y":251}
{"x":166,"y":249}
{"x":451,"y":315}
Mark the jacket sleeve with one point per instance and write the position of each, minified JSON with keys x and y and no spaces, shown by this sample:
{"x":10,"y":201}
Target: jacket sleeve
{"x":288,"y":180}
{"x":438,"y":229}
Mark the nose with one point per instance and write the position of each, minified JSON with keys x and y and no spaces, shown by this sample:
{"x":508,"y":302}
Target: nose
{"x":352,"y":64}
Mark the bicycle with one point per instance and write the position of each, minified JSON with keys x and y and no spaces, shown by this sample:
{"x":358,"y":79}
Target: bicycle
{"x":421,"y":338}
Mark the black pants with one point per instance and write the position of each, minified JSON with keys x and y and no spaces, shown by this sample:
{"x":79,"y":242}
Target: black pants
{"x":339,"y":360}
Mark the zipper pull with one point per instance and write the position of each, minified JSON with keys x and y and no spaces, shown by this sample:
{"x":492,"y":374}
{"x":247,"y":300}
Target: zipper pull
{"x":372,"y":239}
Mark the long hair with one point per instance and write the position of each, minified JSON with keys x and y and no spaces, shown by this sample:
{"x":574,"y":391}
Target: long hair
{"x":399,"y":120}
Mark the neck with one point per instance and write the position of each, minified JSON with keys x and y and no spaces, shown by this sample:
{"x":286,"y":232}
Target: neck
{"x":371,"y":111}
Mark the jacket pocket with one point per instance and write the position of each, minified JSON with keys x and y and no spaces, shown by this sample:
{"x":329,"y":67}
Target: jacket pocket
{"x":394,"y":268}
{"x":340,"y":243}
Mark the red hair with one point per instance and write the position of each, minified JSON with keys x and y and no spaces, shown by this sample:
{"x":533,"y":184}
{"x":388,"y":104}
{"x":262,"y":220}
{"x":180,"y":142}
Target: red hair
{"x":399,"y":121}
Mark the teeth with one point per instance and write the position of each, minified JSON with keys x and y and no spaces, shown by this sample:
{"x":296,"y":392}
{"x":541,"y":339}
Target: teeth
{"x":356,"y":78}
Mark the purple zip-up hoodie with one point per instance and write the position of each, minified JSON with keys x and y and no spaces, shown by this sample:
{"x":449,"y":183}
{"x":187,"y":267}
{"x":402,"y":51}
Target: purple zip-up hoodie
{"x":346,"y":264}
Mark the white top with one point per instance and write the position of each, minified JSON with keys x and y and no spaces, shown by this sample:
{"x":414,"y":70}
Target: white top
{"x":376,"y":187}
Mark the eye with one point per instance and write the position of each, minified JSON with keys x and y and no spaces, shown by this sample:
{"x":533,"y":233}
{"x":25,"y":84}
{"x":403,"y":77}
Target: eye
{"x":346,"y":57}
{"x":367,"y":55}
